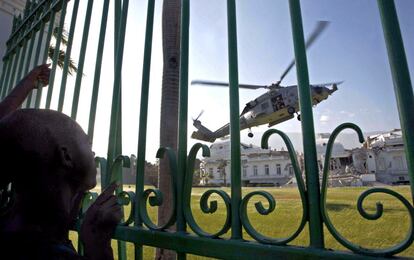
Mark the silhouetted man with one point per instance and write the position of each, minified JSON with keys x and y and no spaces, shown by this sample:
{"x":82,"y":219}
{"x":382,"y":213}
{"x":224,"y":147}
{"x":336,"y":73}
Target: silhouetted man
{"x":47,"y":159}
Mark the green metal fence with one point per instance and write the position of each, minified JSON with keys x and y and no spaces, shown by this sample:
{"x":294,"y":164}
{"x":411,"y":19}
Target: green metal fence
{"x":28,"y":45}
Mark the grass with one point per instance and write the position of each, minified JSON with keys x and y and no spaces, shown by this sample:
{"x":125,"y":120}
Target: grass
{"x":341,"y":204}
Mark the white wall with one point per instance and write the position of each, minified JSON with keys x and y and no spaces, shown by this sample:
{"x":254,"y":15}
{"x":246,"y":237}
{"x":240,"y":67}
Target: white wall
{"x":7,"y":9}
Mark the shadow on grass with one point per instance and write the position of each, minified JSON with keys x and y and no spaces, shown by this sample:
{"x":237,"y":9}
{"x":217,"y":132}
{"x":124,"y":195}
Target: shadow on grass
{"x":337,"y":206}
{"x":370,"y":208}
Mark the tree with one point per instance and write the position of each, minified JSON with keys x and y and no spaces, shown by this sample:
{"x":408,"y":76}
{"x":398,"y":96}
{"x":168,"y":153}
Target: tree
{"x":171,"y":11}
{"x":62,"y":54}
{"x":151,"y":174}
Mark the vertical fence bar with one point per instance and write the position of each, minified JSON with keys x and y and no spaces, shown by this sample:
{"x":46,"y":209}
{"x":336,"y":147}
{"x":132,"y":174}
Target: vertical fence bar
{"x":36,"y":59}
{"x":6,"y":64}
{"x":68,"y":55}
{"x":21,"y":64}
{"x":3,"y":73}
{"x":81,"y":62}
{"x":30,"y":54}
{"x":13,"y":56}
{"x":56,"y":53}
{"x":115,"y":132}
{"x":308,"y":131}
{"x":29,"y":59}
{"x":6,"y":75}
{"x":236,"y":230}
{"x":24,"y":47}
{"x":13,"y":61}
{"x":183,"y":115}
{"x":117,"y":15}
{"x":117,"y":34}
{"x":401,"y":78}
{"x":143,"y":115}
{"x":32,"y":35}
{"x":98,"y":66}
{"x":13,"y":74}
{"x":46,"y":52}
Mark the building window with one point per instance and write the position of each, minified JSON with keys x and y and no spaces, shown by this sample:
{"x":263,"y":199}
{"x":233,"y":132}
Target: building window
{"x":254,"y":170}
{"x":210,"y":171}
{"x":381,"y":164}
{"x":401,"y":179}
{"x":398,"y":163}
{"x":244,"y":171}
{"x":266,"y":167}
{"x":290,"y":170}
{"x":278,"y":169}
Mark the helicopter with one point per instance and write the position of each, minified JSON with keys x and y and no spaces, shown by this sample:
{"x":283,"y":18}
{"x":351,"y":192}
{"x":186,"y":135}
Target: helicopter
{"x":278,"y":104}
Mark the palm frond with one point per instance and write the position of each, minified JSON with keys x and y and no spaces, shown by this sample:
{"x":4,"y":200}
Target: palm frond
{"x":61,"y":60}
{"x":65,"y":35}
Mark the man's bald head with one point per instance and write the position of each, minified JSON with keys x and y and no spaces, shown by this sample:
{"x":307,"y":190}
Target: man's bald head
{"x":43,"y":148}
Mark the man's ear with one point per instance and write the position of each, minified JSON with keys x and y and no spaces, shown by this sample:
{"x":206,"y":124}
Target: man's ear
{"x":65,"y":157}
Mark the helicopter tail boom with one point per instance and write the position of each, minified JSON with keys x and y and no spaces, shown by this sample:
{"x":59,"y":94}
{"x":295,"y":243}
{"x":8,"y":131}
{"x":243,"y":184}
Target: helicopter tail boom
{"x":203,"y":133}
{"x":203,"y":137}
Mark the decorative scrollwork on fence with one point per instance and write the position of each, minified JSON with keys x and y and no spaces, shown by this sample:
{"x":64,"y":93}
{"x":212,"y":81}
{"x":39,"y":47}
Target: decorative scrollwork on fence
{"x":272,"y":203}
{"x":157,"y":199}
{"x":87,"y":201}
{"x":206,"y":206}
{"x":124,"y":197}
{"x":370,"y":216}
{"x":115,"y":173}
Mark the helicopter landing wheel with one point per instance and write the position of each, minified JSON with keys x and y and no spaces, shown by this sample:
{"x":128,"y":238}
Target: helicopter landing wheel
{"x":298,"y":117}
{"x":291,"y":110}
{"x":250,"y":134}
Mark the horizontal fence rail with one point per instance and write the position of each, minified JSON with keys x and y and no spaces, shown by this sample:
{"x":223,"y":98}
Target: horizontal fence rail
{"x":38,"y":36}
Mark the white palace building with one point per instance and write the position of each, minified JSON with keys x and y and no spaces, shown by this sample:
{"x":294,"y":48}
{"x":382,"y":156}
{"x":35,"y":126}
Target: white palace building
{"x":380,"y":160}
{"x":259,"y":166}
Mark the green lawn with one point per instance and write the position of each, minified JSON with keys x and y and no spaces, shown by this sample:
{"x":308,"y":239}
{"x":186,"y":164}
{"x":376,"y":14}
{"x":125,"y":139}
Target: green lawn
{"x":384,"y":232}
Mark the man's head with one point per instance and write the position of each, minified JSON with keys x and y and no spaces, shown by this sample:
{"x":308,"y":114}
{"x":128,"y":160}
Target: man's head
{"x":42,"y":152}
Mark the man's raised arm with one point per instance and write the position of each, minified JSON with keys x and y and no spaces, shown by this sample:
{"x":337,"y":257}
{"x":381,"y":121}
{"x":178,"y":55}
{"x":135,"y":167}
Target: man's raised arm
{"x":39,"y":75}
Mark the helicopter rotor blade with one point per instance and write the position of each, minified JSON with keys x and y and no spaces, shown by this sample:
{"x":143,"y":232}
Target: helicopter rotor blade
{"x":322,"y":84}
{"x":320,"y":27}
{"x":225,"y":84}
{"x":201,"y":113}
{"x":328,"y":84}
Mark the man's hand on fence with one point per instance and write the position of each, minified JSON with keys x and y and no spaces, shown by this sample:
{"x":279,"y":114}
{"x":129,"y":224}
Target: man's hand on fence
{"x":39,"y":76}
{"x":99,"y":223}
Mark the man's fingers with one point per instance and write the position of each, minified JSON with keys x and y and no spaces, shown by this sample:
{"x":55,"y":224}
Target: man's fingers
{"x":106,"y":194}
{"x":110,"y":202}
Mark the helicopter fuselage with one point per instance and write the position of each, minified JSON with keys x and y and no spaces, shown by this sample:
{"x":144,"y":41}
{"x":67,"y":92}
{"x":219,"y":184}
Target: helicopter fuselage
{"x":272,"y":107}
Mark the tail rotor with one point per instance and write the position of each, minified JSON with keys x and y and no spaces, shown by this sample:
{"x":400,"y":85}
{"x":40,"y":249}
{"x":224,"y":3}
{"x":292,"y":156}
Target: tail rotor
{"x":199,"y":115}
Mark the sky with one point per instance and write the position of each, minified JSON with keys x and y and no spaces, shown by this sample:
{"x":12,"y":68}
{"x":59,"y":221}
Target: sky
{"x":352,"y":49}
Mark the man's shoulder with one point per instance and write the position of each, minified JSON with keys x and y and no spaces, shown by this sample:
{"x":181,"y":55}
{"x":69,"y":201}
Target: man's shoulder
{"x":30,"y":245}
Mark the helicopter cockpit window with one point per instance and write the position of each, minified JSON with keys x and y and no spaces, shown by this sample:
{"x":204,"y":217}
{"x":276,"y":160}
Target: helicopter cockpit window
{"x":264,"y":106}
{"x":278,"y":103}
